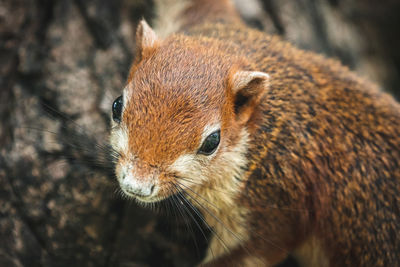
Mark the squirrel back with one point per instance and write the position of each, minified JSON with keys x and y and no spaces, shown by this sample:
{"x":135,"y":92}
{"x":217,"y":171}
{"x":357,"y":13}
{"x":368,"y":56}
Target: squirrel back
{"x":307,"y":155}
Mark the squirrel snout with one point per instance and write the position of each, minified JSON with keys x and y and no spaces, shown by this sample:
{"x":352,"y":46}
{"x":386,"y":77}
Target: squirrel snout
{"x":137,"y":188}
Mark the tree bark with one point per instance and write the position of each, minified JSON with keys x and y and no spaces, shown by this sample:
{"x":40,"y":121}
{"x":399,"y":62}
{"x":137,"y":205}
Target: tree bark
{"x":64,"y":62}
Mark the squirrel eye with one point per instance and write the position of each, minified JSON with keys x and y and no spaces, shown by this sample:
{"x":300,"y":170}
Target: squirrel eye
{"x":117,"y":109}
{"x":210,"y":144}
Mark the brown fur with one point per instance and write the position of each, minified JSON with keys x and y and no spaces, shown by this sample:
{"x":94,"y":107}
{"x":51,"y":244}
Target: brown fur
{"x":323,"y":147}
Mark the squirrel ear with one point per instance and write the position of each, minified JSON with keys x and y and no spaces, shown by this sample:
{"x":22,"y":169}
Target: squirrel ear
{"x":247,"y":88}
{"x":145,"y":38}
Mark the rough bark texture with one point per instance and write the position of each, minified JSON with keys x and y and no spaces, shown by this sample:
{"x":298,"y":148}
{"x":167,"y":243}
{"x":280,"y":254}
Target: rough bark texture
{"x":62,"y":64}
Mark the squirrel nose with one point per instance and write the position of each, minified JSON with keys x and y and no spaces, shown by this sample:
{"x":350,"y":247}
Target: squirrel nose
{"x":137,"y":187}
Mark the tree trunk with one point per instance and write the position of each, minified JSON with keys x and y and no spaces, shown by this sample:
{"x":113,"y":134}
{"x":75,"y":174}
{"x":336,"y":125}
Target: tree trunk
{"x":64,"y":62}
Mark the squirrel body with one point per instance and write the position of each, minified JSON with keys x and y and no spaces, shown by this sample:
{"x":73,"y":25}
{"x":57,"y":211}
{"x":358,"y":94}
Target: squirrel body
{"x":308,"y":160}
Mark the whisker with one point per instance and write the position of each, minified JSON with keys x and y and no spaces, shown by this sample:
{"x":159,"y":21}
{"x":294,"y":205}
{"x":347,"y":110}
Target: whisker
{"x":229,"y":230}
{"x":202,"y":185}
{"x":62,"y":116}
{"x":231,"y":194}
{"x":74,"y":136}
{"x":204,"y":221}
{"x":241,"y":241}
{"x":105,"y":148}
{"x":181,"y":209}
{"x":103,"y":158}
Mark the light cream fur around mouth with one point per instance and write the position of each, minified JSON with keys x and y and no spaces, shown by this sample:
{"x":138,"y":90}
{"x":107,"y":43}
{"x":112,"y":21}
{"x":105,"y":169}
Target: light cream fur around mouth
{"x":142,"y":200}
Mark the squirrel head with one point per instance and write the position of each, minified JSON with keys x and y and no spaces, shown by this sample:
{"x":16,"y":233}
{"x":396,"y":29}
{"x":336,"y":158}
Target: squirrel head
{"x":182,"y":118}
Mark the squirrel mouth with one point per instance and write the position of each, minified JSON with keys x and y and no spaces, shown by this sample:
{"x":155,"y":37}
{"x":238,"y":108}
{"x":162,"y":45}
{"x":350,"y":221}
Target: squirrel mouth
{"x":136,"y":196}
{"x":142,"y":198}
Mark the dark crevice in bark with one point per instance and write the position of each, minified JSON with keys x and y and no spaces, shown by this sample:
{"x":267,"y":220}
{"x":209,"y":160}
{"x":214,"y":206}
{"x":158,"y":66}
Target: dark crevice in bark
{"x":319,"y":25}
{"x":97,"y":28}
{"x":46,"y":14}
{"x":271,"y":9}
{"x":36,"y":45}
{"x":334,"y":3}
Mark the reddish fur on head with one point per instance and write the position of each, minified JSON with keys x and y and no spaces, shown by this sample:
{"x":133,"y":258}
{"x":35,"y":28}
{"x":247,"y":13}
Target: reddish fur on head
{"x":175,"y":89}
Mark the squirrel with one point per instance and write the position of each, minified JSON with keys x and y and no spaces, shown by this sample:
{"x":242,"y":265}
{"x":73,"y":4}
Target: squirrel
{"x":283,"y":151}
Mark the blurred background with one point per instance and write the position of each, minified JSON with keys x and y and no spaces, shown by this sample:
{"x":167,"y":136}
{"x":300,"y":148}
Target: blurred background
{"x":63,"y":62}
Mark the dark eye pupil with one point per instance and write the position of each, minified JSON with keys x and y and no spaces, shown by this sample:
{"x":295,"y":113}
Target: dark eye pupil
{"x":117,"y":109}
{"x":210,"y":144}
